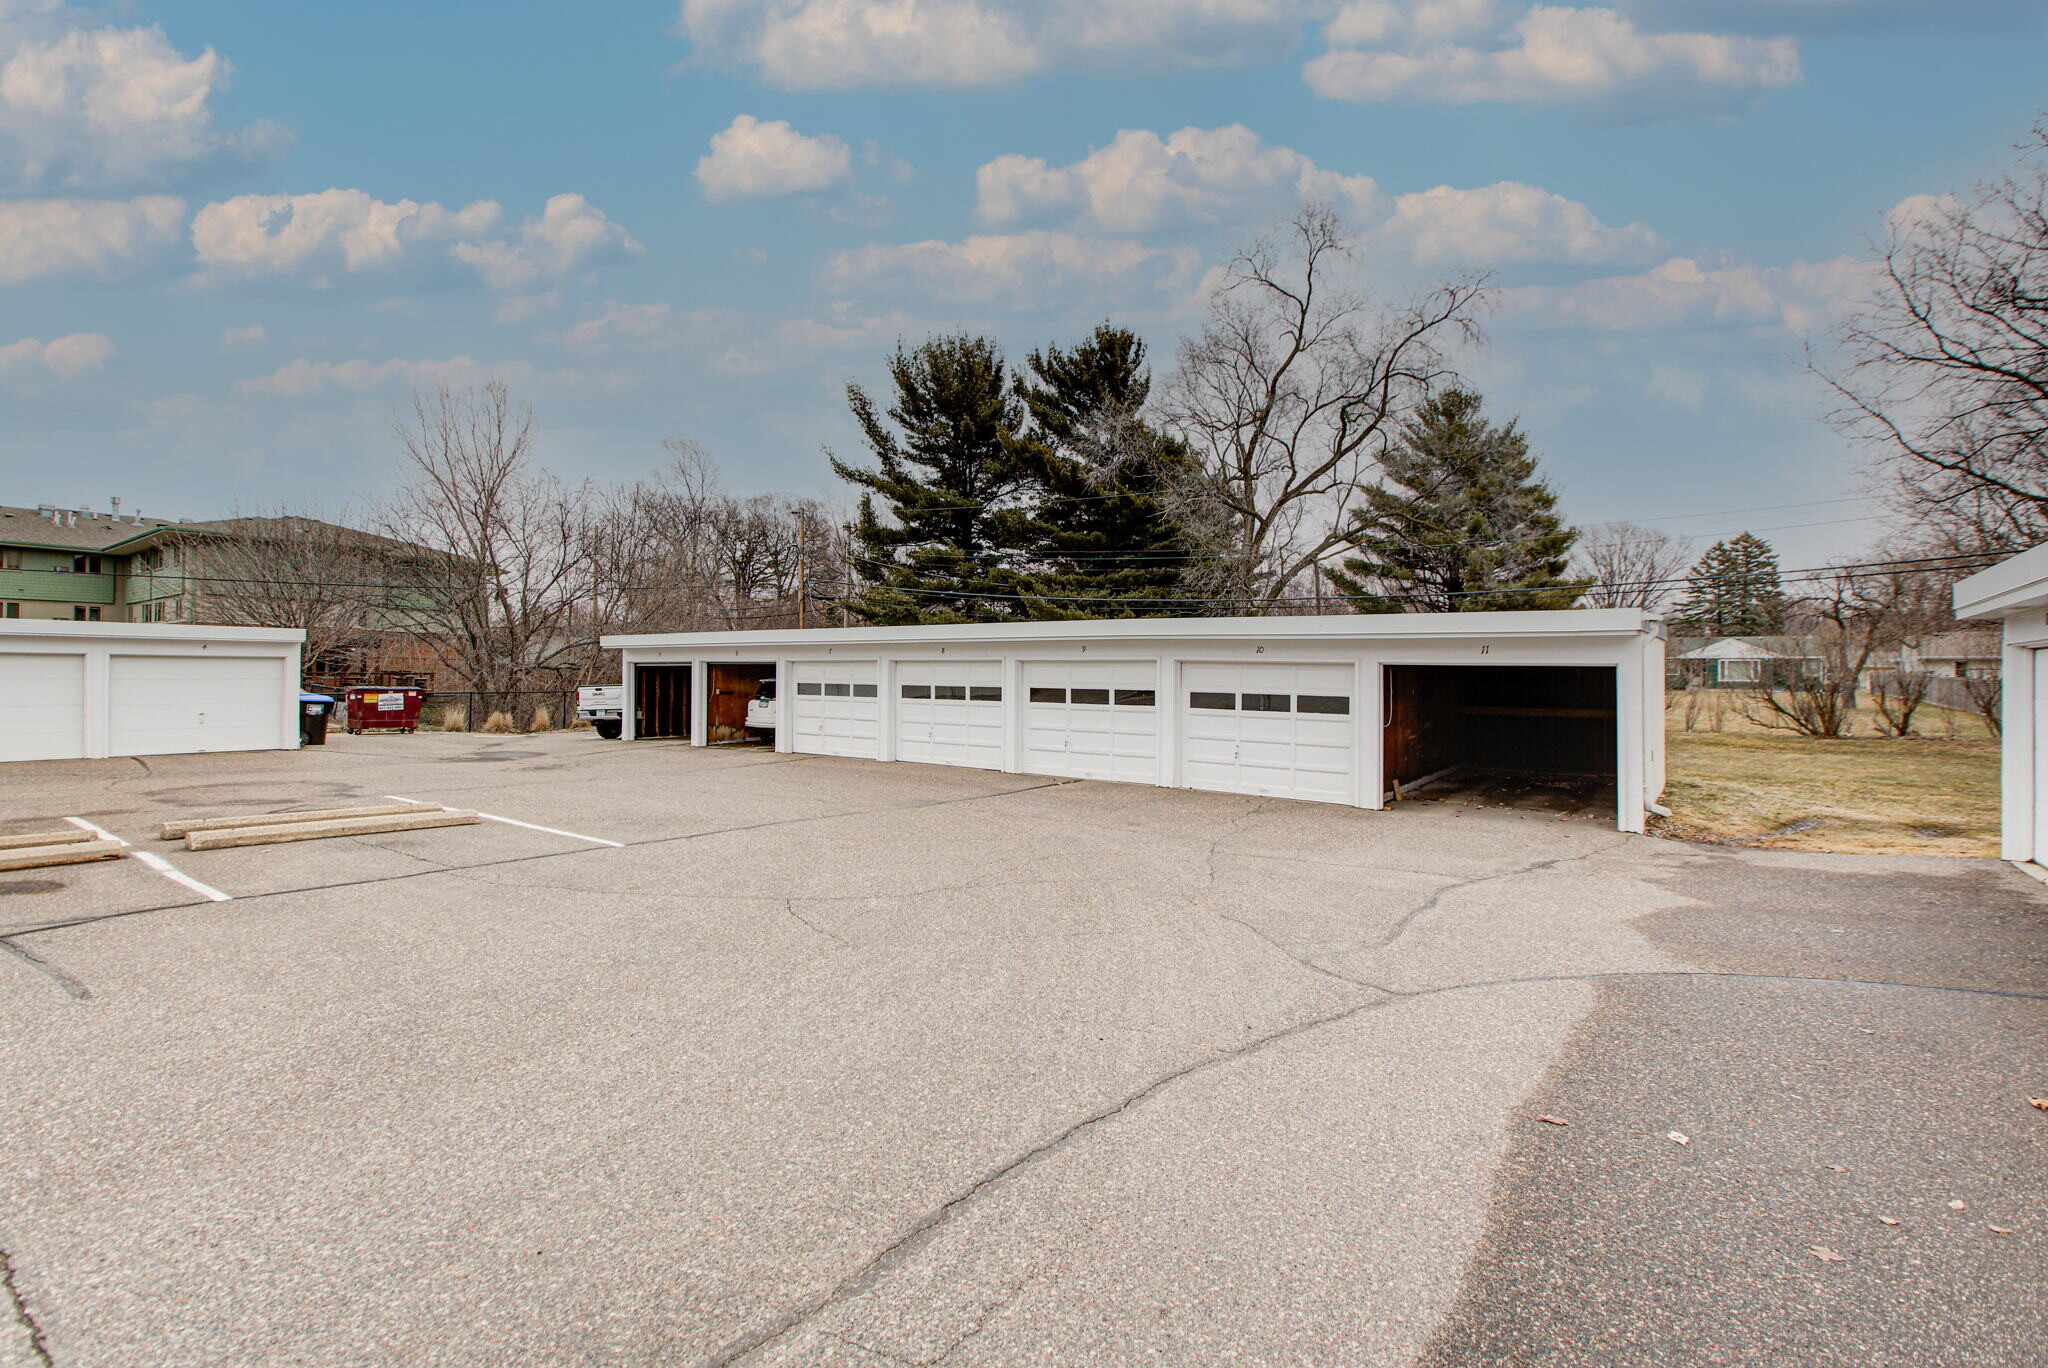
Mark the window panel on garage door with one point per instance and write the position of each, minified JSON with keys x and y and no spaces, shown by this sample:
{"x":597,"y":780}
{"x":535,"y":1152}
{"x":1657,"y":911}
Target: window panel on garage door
{"x":42,"y":707}
{"x":950,"y":712}
{"x":1094,"y":720}
{"x":177,"y":705}
{"x":835,"y":708}
{"x":1279,"y":730}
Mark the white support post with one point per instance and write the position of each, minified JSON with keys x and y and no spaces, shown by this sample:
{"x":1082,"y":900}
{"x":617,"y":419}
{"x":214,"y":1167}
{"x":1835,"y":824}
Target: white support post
{"x":700,"y":702}
{"x":1172,"y":701}
{"x":629,"y":705}
{"x":2020,"y":788}
{"x":1369,"y":733}
{"x":1629,"y":767}
{"x":885,"y":708}
{"x":99,"y":708}
{"x":785,"y":715}
{"x":1013,"y":714}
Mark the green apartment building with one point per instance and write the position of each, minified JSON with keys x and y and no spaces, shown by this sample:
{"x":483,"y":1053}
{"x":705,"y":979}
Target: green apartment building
{"x":80,"y":565}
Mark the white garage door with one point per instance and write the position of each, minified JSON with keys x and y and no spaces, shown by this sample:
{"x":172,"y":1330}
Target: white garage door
{"x":42,"y":707}
{"x":172,"y":705}
{"x":835,"y":709}
{"x":1279,"y":730}
{"x":950,"y":712}
{"x":1096,"y":720}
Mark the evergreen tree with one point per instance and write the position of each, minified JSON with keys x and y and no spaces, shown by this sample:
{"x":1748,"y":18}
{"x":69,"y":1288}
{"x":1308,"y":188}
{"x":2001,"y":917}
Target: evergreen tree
{"x":1102,"y":532}
{"x":950,"y":541}
{"x":1734,"y":591}
{"x":1459,"y":521}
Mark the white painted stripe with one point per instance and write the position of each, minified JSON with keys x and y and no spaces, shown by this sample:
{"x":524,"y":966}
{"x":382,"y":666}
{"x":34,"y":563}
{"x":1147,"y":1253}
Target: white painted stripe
{"x":99,"y":831}
{"x":514,"y":821}
{"x":179,"y":876}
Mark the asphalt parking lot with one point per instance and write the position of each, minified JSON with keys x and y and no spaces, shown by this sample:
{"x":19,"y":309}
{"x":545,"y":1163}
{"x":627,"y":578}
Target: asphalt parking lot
{"x":733,"y":1057}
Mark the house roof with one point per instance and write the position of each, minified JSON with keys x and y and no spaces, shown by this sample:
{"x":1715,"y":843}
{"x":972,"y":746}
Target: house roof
{"x":1960,"y":646}
{"x":1729,"y":648}
{"x":73,"y":530}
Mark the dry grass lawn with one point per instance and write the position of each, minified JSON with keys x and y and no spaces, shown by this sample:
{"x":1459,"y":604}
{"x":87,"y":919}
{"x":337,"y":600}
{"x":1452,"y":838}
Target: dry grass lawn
{"x":1932,"y":793}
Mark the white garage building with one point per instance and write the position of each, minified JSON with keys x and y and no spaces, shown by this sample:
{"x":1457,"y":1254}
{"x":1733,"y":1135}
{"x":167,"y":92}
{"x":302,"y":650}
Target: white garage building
{"x":85,"y":690}
{"x":2015,"y":592}
{"x":1334,"y":709}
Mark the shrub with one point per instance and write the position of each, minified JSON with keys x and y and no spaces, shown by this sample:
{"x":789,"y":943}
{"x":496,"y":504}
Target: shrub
{"x":454,"y":718}
{"x":543,"y":720}
{"x":499,"y":724}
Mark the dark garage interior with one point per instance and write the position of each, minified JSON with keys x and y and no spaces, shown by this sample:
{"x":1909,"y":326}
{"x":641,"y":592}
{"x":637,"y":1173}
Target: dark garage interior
{"x":1505,"y":731}
{"x":661,"y":699}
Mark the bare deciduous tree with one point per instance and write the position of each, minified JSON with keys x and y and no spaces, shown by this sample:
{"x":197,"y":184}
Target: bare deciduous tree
{"x":1631,"y":566}
{"x":287,"y":570}
{"x":1848,"y":621}
{"x":501,"y":568}
{"x":1287,"y":397}
{"x":1987,"y":695}
{"x":1947,"y":368}
{"x":1897,"y":695}
{"x":676,"y":552}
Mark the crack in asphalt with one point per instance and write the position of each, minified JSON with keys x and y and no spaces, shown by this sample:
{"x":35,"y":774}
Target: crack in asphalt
{"x":71,"y":986}
{"x":921,"y":1232}
{"x":37,"y":1345}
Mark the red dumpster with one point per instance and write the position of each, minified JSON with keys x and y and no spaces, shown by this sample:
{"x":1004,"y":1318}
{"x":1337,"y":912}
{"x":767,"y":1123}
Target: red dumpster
{"x":378,"y":708}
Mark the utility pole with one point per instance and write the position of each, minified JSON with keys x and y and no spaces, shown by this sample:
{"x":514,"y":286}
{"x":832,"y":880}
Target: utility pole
{"x":802,"y":582}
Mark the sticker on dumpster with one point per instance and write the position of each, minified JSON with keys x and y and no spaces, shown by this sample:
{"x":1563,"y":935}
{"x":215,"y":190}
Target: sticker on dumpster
{"x":391,"y":702}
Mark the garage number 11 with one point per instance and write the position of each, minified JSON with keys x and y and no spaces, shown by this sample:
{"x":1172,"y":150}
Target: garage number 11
{"x":1486,"y":650}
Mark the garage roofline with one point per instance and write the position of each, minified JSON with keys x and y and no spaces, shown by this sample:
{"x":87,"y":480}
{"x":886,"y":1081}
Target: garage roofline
{"x":150,"y":631}
{"x":1571,"y":622}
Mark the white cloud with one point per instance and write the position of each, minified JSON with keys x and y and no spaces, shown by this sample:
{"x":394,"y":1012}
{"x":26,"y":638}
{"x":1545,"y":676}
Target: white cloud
{"x":1506,"y":222}
{"x":1550,"y":55}
{"x":751,"y":159}
{"x":255,"y":335}
{"x":1018,"y":269}
{"x":304,"y":377}
{"x":1142,"y":181}
{"x":95,"y":237}
{"x":278,"y":234}
{"x":354,"y":231}
{"x":115,"y":106}
{"x":847,"y":44}
{"x":1681,"y":293}
{"x":619,"y":324}
{"x":571,"y":233}
{"x":66,"y":357}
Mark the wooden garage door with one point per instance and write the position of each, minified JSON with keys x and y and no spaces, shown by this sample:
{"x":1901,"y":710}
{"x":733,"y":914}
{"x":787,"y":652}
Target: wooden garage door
{"x":1095,"y":720}
{"x":950,"y":712}
{"x":176,"y":705}
{"x":42,"y":706}
{"x":834,"y":708}
{"x":1284,"y":731}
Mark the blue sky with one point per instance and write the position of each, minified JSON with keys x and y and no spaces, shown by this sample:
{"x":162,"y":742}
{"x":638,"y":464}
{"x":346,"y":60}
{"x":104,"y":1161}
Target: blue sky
{"x":234,"y":234}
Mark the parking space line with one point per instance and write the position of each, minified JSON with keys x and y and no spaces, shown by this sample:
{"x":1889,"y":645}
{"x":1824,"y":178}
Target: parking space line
{"x":179,"y":876}
{"x":155,"y":862}
{"x":514,"y":821}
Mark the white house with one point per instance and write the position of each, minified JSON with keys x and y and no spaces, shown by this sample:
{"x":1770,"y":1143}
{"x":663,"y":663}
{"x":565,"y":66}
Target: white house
{"x":2014,"y":593}
{"x":85,"y":690}
{"x":1335,"y":709}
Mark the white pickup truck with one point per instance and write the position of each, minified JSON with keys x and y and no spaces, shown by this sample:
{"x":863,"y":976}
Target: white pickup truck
{"x":603,"y":706}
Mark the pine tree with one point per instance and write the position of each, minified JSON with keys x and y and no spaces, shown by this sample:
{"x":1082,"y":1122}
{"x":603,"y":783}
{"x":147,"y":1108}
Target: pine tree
{"x":949,"y":541}
{"x":1459,"y":521}
{"x":1103,"y":533}
{"x":1734,"y":590}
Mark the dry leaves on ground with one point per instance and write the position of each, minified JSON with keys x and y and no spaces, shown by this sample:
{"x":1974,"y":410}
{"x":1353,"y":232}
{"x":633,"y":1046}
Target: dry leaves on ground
{"x":1825,"y":1255}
